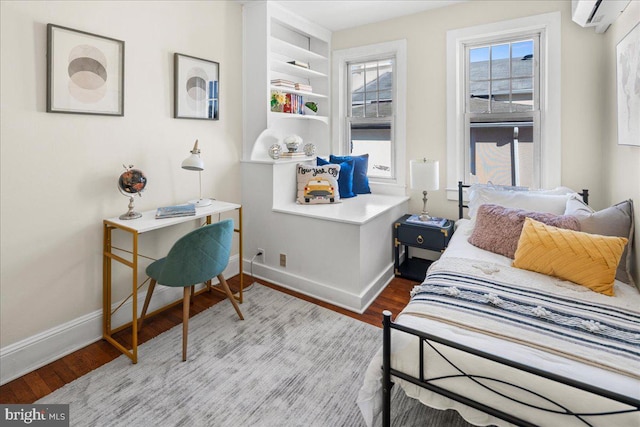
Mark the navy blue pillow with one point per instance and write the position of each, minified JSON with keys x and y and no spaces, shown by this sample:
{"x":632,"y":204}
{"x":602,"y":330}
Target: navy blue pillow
{"x":345,"y":177}
{"x":360,"y":168}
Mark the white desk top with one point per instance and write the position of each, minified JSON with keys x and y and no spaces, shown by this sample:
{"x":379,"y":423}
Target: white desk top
{"x":149,"y":222}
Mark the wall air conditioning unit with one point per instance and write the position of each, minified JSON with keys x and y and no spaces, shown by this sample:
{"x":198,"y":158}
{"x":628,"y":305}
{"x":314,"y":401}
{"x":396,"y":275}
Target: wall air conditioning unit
{"x":597,"y":13}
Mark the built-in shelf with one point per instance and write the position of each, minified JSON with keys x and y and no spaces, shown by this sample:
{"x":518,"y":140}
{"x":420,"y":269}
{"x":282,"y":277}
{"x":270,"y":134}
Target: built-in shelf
{"x":294,"y":70}
{"x":286,"y":38}
{"x":293,"y":52}
{"x":276,"y":115}
{"x":299,"y":92}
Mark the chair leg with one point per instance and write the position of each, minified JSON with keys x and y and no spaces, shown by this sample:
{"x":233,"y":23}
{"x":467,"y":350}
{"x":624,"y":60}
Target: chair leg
{"x":147,"y":299}
{"x":193,"y":292}
{"x":185,"y":320}
{"x":225,"y":286}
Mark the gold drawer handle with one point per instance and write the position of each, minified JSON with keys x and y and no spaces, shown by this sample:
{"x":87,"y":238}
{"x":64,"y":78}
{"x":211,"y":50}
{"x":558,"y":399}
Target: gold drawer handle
{"x":419,"y":239}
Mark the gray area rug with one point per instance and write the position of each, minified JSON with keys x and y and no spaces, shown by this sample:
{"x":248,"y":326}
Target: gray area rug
{"x":289,"y":363}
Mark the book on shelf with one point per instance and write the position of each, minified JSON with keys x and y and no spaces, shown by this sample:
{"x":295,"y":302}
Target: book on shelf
{"x":433,"y":222}
{"x":299,"y":63}
{"x":303,"y":87}
{"x":283,"y":83}
{"x":294,"y":104}
{"x":174,"y":211}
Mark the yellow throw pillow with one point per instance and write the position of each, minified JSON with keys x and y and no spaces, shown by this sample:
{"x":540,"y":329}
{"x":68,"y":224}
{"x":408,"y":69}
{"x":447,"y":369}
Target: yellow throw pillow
{"x":586,"y":259}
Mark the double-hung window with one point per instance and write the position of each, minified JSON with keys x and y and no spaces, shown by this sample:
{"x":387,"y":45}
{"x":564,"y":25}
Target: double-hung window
{"x":503,"y":103}
{"x":369,"y":110}
{"x":370,"y":114}
{"x":502,"y":111}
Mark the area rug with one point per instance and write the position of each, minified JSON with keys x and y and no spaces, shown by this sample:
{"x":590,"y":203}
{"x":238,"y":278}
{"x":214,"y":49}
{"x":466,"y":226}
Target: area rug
{"x":289,"y":363}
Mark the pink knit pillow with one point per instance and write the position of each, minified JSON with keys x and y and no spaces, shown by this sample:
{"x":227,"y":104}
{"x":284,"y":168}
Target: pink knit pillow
{"x":498,"y":228}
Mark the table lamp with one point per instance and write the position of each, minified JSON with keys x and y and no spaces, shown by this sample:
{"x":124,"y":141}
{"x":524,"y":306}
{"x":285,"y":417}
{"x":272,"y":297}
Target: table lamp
{"x":195,"y":163}
{"x":424,"y":175}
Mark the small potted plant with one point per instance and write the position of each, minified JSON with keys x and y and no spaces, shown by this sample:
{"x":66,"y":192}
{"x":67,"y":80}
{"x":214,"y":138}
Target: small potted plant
{"x":310,"y":108}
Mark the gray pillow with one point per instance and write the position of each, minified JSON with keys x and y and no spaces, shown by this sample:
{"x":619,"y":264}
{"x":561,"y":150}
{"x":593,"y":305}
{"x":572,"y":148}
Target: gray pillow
{"x":616,"y":220}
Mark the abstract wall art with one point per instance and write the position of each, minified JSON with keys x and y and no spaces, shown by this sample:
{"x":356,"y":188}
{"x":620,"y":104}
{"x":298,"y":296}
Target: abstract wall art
{"x":85,"y":73}
{"x":628,"y":87}
{"x":196,"y":88}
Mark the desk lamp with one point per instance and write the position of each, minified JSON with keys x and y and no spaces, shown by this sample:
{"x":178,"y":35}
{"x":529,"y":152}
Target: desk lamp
{"x":195,"y":163}
{"x":424,"y":175}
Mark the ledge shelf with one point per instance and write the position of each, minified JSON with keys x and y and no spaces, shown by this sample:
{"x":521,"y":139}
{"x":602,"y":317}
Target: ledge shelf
{"x":294,"y":52}
{"x":298,"y":92}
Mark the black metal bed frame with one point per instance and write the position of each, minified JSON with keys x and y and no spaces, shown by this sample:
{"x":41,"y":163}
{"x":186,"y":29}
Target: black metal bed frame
{"x":427,"y":339}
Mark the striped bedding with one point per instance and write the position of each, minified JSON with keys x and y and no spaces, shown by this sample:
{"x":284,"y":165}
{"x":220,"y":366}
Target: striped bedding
{"x":516,"y":305}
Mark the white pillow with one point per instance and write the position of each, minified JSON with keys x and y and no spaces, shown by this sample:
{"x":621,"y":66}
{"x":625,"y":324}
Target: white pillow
{"x":550,"y":201}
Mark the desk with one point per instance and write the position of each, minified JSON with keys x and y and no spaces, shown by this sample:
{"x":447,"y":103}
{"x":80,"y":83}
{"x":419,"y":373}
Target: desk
{"x":136,"y":227}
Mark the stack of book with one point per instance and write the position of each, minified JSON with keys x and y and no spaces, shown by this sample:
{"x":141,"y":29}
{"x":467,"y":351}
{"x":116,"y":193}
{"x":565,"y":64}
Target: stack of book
{"x":304,"y":87}
{"x":299,"y":64}
{"x":283,"y":83}
{"x":174,"y":211}
{"x":432,"y":221}
{"x":290,"y":155}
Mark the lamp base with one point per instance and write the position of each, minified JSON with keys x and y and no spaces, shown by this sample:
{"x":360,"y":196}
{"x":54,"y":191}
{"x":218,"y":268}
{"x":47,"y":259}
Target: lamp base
{"x":200,"y":202}
{"x":424,"y":216}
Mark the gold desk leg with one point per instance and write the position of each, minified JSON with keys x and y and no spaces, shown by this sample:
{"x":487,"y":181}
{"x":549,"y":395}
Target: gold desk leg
{"x":134,"y":290}
{"x":106,"y":282}
{"x":240,"y":251}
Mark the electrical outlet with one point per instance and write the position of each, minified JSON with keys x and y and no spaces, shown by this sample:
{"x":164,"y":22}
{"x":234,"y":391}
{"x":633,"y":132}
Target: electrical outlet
{"x":283,"y":260}
{"x":263,"y":256}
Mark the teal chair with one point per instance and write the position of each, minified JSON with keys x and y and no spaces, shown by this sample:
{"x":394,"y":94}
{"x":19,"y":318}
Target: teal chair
{"x":195,"y":258}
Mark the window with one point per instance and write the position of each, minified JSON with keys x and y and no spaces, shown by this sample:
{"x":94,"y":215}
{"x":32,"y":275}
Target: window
{"x":502,"y":110}
{"x":370,"y":117}
{"x":503,"y":103}
{"x":369,"y":111}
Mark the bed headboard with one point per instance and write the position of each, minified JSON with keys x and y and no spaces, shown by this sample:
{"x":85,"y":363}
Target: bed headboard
{"x":461,"y":205}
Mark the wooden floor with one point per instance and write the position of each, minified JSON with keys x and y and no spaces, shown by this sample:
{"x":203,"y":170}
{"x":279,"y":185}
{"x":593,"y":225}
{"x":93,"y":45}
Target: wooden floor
{"x":39,"y":383}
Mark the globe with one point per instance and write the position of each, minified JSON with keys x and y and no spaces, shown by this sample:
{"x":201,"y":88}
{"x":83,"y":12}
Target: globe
{"x":131,"y":182}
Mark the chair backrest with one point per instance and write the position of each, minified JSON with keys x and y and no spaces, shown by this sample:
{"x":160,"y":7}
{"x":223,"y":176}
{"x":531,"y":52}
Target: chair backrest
{"x":199,"y":255}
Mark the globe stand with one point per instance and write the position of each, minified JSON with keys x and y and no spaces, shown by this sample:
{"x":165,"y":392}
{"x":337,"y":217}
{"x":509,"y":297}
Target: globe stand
{"x":131,"y":214}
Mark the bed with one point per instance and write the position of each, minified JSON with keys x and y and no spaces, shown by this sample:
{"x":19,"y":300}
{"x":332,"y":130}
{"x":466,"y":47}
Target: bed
{"x":508,"y":346}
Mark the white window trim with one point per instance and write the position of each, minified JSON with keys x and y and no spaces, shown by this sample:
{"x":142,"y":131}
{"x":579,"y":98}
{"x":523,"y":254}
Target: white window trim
{"x":340,"y":58}
{"x":550,"y":128}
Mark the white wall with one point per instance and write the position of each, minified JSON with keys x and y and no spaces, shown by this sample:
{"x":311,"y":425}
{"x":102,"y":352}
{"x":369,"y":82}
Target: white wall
{"x":621,"y":168}
{"x":59,"y":171}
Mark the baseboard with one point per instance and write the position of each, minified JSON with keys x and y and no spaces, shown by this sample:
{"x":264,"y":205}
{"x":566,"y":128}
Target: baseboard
{"x":357,"y":303}
{"x":34,"y":352}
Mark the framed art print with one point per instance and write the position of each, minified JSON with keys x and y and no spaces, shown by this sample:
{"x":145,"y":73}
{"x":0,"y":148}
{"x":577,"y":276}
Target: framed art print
{"x":628,"y":92}
{"x":85,"y":73}
{"x":196,"y":88}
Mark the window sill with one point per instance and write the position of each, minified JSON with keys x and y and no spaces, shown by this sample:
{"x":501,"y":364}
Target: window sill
{"x":358,"y":210}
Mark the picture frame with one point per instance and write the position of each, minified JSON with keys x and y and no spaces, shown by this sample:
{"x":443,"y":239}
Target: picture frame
{"x":196,"y":88}
{"x":85,"y":72}
{"x":627,"y":76}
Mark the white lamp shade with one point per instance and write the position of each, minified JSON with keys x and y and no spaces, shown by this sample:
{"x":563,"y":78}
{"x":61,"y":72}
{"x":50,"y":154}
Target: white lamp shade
{"x":193,"y":163}
{"x":425,"y":174}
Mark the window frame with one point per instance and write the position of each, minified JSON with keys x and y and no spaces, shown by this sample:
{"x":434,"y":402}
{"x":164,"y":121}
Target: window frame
{"x":548,"y":151}
{"x":340,"y":110}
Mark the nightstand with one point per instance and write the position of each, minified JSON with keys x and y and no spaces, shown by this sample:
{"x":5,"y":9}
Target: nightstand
{"x":415,"y":235}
